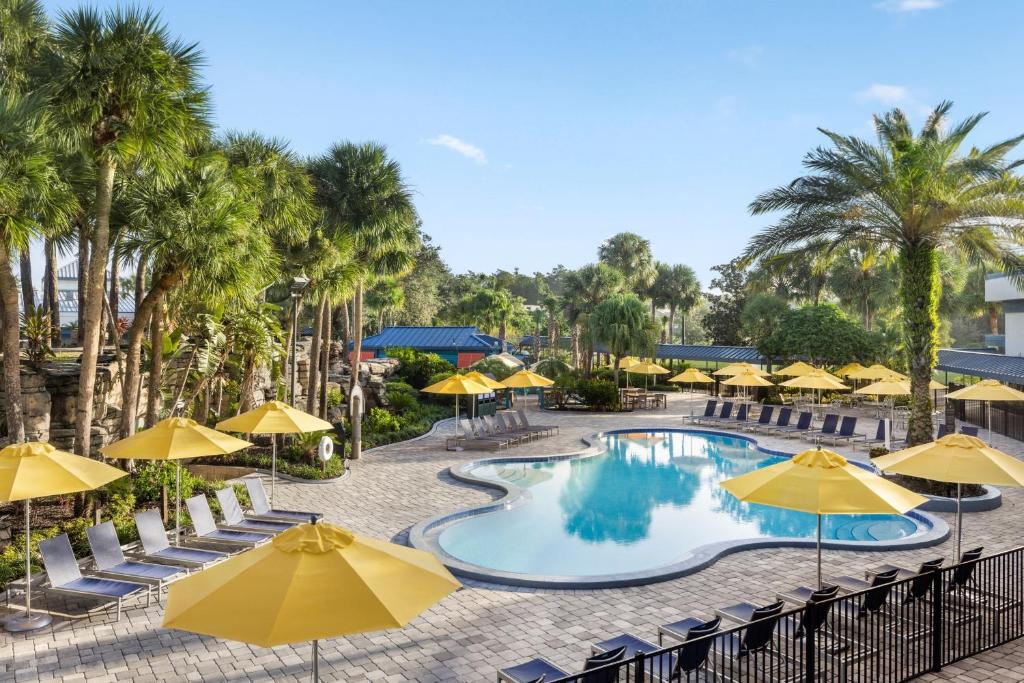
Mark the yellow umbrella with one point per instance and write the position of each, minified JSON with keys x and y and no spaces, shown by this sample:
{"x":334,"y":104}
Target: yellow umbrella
{"x":797,"y":369}
{"x":35,"y":470}
{"x":987,"y":390}
{"x":957,"y":459}
{"x":875,"y":372}
{"x":524,"y":379}
{"x":458,"y":385}
{"x":627,"y":361}
{"x":274,"y":417}
{"x":481,"y":378}
{"x":177,"y":439}
{"x":646,"y":368}
{"x":737,"y":368}
{"x":893,"y":386}
{"x":311,"y":582}
{"x":748,"y":379}
{"x":848,"y":369}
{"x":816,"y":380}
{"x":822,"y":482}
{"x":692,"y":376}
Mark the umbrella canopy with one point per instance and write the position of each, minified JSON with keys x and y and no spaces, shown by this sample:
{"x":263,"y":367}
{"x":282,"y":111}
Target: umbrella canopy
{"x":692,"y":375}
{"x":817,"y":379}
{"x":987,"y":390}
{"x":889,"y":387}
{"x":875,"y":372}
{"x":175,"y":438}
{"x":274,"y":417}
{"x":748,"y":379}
{"x":848,"y":369}
{"x":459,"y":385}
{"x":627,"y":361}
{"x":525,"y":379}
{"x":505,"y":358}
{"x":822,"y":482}
{"x":797,"y":369}
{"x":737,"y":368}
{"x":956,"y":459}
{"x":646,"y":368}
{"x":311,"y":582}
{"x":481,"y":378}
{"x":34,"y":470}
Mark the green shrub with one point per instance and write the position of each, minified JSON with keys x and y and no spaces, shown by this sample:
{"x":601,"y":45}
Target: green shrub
{"x":303,"y":447}
{"x":335,"y":399}
{"x":418,"y":368}
{"x":598,"y":394}
{"x":380,"y":420}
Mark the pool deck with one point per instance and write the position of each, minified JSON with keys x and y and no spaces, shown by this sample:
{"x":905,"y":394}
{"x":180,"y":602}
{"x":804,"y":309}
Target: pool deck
{"x":482,"y":627}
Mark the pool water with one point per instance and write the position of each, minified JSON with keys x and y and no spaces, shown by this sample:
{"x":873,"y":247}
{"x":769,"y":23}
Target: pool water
{"x":645,"y":503}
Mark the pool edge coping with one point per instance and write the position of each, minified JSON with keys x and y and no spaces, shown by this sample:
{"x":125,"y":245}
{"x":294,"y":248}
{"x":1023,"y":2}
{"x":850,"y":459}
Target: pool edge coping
{"x":695,"y":560}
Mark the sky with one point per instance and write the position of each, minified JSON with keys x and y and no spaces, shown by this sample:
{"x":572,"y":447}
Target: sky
{"x":532,"y":131}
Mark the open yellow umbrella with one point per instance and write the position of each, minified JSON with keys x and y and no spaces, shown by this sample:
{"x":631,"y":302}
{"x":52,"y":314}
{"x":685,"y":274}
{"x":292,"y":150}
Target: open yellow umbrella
{"x":822,"y":482}
{"x":627,"y":361}
{"x":646,"y":368}
{"x":524,"y":379}
{"x":875,"y":372}
{"x":797,"y":369}
{"x":177,"y":439}
{"x":956,"y":459}
{"x":36,"y":470}
{"x":893,"y":386}
{"x":818,"y":380}
{"x":737,"y":368}
{"x":274,"y":417}
{"x":459,"y":385}
{"x":311,"y":582}
{"x":692,"y":376}
{"x":848,"y":369}
{"x":748,"y":379}
{"x":987,"y":390}
{"x":481,"y":378}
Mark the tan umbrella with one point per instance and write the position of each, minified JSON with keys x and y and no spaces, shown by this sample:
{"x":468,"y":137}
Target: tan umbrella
{"x":987,"y":390}
{"x":848,"y":369}
{"x":737,"y":368}
{"x":875,"y":372}
{"x":818,"y":380}
{"x":797,"y":369}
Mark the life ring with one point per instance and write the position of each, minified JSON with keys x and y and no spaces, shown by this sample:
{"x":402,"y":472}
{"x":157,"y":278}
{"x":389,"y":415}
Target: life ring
{"x":326,"y":448}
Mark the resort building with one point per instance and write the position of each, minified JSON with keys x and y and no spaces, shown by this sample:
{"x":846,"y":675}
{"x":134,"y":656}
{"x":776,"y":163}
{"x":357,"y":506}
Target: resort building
{"x":460,"y":346}
{"x":67,"y":297}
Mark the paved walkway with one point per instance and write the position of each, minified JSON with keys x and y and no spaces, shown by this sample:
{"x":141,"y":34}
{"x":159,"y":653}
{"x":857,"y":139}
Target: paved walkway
{"x":480,"y":628}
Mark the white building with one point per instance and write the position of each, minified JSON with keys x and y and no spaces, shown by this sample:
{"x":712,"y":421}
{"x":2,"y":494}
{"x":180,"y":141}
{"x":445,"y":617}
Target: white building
{"x":67,"y":297}
{"x":1000,"y":289}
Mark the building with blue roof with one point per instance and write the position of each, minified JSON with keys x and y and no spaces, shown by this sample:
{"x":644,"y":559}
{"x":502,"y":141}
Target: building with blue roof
{"x":460,"y":346}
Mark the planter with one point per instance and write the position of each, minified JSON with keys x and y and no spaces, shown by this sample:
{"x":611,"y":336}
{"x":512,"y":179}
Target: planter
{"x":990,"y":500}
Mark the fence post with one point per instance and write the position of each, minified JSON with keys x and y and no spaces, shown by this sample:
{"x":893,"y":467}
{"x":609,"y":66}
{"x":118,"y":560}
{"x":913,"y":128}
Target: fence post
{"x":937,"y":621}
{"x":638,"y":666}
{"x":810,"y":634}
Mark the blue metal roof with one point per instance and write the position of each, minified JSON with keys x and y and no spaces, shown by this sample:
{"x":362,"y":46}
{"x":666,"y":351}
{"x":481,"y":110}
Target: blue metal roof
{"x":1009,"y":369}
{"x":714,"y":354}
{"x":433,"y":339}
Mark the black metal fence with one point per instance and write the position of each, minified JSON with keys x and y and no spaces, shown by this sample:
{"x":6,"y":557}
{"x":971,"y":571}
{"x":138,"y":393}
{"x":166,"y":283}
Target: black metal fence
{"x":894,"y":630}
{"x":1007,"y":418}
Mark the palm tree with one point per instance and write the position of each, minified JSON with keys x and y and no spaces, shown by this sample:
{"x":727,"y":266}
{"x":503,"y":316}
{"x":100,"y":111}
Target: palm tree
{"x":630,"y":254}
{"x":621,"y":323}
{"x":861,"y":278}
{"x":553,"y":306}
{"x":584,"y":290}
{"x":679,"y":289}
{"x":125,"y":92}
{"x":917,"y":195}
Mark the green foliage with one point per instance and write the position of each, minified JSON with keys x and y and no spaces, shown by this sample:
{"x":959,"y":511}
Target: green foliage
{"x":380,"y":420}
{"x":335,"y":398}
{"x":823,"y":335}
{"x":622,"y":324}
{"x":494,"y":367}
{"x":37,"y":331}
{"x":723,"y":321}
{"x":401,"y":396}
{"x":598,"y":394}
{"x":762,"y":319}
{"x":417,"y":368}
{"x":303,"y":447}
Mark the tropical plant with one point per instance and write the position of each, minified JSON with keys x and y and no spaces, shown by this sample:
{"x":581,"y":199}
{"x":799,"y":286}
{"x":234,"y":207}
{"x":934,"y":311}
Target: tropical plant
{"x":253,"y":336}
{"x":584,"y":290}
{"x":621,"y":323}
{"x":917,"y":195}
{"x":723,"y":320}
{"x":630,"y":254}
{"x":679,"y":289}
{"x":35,"y":328}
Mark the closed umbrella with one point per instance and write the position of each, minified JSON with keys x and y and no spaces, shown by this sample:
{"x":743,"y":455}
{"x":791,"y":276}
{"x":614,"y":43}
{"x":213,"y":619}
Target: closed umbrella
{"x":822,"y":482}
{"x":956,"y":459}
{"x":311,"y":582}
{"x":36,"y":470}
{"x":987,"y":390}
{"x":274,"y":417}
{"x":458,"y":385}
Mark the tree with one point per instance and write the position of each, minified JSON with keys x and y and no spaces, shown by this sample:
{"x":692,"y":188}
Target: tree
{"x":723,"y":321}
{"x":584,"y":290}
{"x":763,"y":317}
{"x":630,"y":254}
{"x":861,"y":278}
{"x":621,"y":323}
{"x":679,"y":290}
{"x":126,"y":93}
{"x":422,"y":286}
{"x":823,"y":335}
{"x":916,"y":194}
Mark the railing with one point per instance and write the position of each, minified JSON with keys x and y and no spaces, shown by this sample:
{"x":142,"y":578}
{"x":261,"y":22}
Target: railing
{"x":894,"y":632}
{"x":1007,"y":418}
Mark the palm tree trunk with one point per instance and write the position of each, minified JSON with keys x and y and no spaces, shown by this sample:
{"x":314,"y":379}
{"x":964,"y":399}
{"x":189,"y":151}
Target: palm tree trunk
{"x":502,"y":331}
{"x":83,"y":278}
{"x":345,"y":327}
{"x":245,"y":390}
{"x":552,"y":335}
{"x":12,"y":354}
{"x":536,"y":342}
{"x":993,"y":319}
{"x":154,"y":398}
{"x":357,"y":335}
{"x":115,"y":291}
{"x":671,"y":321}
{"x":920,"y":290}
{"x":312,"y":391}
{"x":50,"y":293}
{"x":28,"y":297}
{"x":98,"y":247}
{"x":575,"y":345}
{"x":325,"y":357}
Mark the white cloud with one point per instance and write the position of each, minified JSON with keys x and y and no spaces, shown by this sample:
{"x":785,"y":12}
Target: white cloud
{"x":886,"y":94}
{"x":908,"y":5}
{"x":749,"y":56}
{"x":458,"y":146}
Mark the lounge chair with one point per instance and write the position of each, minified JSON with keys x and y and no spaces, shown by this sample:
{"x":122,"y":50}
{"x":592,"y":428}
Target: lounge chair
{"x":828,"y":429}
{"x":550,"y":429}
{"x":941,"y":431}
{"x":965,"y":594}
{"x":491,"y":428}
{"x":841,"y":651}
{"x":109,"y":559}
{"x":468,"y":439}
{"x":65,"y":577}
{"x":803,"y":424}
{"x":657,"y":668}
{"x":514,"y":420}
{"x":206,"y":530}
{"x":847,"y":432}
{"x":680,"y":630}
{"x":741,"y":417}
{"x":236,"y":519}
{"x":879,"y":437}
{"x":763,"y":420}
{"x":709,"y":411}
{"x":507,"y":424}
{"x":540,"y":669}
{"x":780,"y":422}
{"x":724,"y":414}
{"x":756,"y":639}
{"x":969,"y":431}
{"x":156,"y":548}
{"x":261,"y":506}
{"x":482,"y":432}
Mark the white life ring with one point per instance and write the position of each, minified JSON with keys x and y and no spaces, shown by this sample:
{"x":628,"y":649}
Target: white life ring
{"x":326,"y":448}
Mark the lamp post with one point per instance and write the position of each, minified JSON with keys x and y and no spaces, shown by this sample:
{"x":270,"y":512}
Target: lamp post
{"x":297,"y":288}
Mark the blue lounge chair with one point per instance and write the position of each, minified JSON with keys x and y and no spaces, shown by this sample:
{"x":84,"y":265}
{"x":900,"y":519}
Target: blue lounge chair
{"x":847,"y":432}
{"x":828,"y":429}
{"x":207,"y":531}
{"x":709,"y":411}
{"x":156,"y":548}
{"x":969,"y":431}
{"x":694,"y":634}
{"x":540,"y":669}
{"x":942,"y":431}
{"x":109,"y":559}
{"x":741,"y":417}
{"x":658,"y":668}
{"x":753,"y":645}
{"x":879,"y":437}
{"x":724,"y":414}
{"x":803,"y":424}
{"x":235,"y":518}
{"x":763,"y":420}
{"x":781,"y":422}
{"x":261,"y":506}
{"x":65,"y":576}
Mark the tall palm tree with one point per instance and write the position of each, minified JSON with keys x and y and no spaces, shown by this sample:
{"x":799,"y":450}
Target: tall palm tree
{"x":365,"y":198}
{"x":621,"y":323}
{"x":584,"y":290}
{"x":679,"y":289}
{"x":861,"y":279}
{"x":630,"y":254}
{"x":916,"y":194}
{"x":125,"y":93}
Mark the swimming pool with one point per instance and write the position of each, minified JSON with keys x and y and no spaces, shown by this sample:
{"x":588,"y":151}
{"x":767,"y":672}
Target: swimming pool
{"x":650,"y":500}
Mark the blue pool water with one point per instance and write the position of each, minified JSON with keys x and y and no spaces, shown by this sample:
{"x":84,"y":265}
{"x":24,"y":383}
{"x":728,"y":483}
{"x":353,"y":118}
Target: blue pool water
{"x":645,"y":503}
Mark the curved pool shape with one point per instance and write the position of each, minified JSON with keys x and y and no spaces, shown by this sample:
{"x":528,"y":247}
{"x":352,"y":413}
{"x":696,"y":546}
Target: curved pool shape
{"x":651,"y":499}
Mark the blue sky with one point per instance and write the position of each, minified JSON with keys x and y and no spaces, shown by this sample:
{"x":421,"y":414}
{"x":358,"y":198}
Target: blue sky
{"x":532,"y":131}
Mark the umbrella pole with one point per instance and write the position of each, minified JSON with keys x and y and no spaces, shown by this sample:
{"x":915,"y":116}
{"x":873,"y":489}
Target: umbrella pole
{"x":988,"y":413}
{"x":27,"y":622}
{"x":959,"y":523}
{"x":819,"y":550}
{"x":177,"y":501}
{"x":316,"y":661}
{"x":273,"y":467}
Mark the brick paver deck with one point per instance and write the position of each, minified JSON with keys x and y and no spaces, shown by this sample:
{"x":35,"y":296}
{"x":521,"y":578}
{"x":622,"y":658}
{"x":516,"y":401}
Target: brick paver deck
{"x":480,"y":628}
